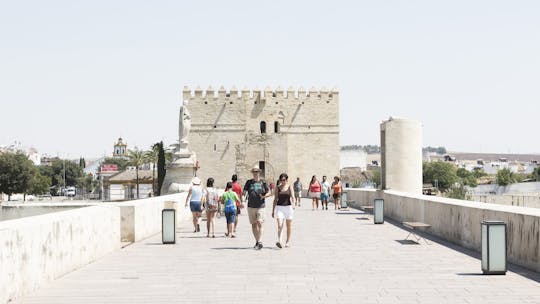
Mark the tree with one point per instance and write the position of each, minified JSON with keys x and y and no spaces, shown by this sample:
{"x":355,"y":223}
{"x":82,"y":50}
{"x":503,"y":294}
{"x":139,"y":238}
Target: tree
{"x":479,"y":172}
{"x":504,"y":177}
{"x":457,"y":191}
{"x":39,"y":184}
{"x":151,"y":156}
{"x":82,"y":163}
{"x":441,"y":173}
{"x":376,"y":177}
{"x":161,"y":171}
{"x":16,"y":172}
{"x":136,"y":158}
{"x":467,"y":178}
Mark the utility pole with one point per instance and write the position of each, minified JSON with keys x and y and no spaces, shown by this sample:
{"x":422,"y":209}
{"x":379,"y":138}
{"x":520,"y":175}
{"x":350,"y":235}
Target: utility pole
{"x":64,"y":165}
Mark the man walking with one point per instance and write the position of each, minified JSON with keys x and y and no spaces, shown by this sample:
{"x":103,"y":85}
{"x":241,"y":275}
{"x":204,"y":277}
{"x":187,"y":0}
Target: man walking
{"x":325,"y":193}
{"x":256,"y":190}
{"x":297,"y":191}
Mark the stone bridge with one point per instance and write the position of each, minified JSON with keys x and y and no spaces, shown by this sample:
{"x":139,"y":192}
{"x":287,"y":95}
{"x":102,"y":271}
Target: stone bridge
{"x":335,"y":257}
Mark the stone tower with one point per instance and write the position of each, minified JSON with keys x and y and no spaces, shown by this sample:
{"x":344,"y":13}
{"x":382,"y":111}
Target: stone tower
{"x":293,"y":131}
{"x":401,"y":155}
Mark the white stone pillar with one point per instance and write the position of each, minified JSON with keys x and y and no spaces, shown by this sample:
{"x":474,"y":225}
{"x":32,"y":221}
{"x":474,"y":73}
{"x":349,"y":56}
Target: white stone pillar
{"x":401,"y":155}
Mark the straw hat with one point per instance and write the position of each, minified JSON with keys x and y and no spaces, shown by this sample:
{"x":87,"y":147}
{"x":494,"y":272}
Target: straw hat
{"x":255,"y":169}
{"x":196,"y":181}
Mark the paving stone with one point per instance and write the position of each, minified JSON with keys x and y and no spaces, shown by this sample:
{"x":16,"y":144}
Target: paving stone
{"x":334,"y":258}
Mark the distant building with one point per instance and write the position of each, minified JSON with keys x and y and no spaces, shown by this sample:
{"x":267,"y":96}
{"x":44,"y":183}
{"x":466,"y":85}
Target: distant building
{"x":123,"y":185}
{"x":120,"y":148}
{"x":356,"y":158}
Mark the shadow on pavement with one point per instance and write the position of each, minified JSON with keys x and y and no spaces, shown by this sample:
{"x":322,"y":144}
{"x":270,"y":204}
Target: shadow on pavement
{"x":233,"y":248}
{"x":407,"y":242}
{"x":363,"y":218}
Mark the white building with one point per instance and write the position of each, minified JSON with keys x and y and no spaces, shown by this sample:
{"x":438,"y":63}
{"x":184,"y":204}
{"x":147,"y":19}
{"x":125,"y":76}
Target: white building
{"x":353,"y":159}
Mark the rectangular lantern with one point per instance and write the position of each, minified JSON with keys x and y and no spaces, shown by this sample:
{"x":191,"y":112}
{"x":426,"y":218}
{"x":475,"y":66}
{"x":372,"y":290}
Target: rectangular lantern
{"x":168,"y":226}
{"x":493,"y":247}
{"x":378,"y":211}
{"x":344,"y":200}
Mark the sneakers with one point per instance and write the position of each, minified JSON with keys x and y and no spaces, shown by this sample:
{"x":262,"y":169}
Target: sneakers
{"x":278,"y":244}
{"x":258,"y":246}
{"x":287,"y":245}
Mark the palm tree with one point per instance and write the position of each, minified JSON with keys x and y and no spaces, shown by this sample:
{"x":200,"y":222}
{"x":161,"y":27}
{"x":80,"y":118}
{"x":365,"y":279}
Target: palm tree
{"x":151,"y":156}
{"x":136,"y":158}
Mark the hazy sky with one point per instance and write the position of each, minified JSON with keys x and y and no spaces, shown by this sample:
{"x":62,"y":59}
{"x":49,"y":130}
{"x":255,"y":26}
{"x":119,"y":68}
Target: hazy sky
{"x":76,"y":75}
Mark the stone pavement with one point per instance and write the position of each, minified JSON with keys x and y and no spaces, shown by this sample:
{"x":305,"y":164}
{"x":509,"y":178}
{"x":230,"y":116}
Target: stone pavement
{"x":335,"y":257}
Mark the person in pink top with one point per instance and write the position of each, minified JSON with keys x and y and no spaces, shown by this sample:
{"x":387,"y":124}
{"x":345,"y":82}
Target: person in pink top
{"x":314,"y":191}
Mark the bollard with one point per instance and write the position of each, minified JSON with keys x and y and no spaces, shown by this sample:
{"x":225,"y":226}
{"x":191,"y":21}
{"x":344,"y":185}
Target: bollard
{"x":493,"y":247}
{"x":344,"y":200}
{"x":168,"y":226}
{"x":378,"y":211}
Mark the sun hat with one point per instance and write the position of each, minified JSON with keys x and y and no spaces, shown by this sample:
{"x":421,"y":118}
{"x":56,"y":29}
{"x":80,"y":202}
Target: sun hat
{"x":255,"y":169}
{"x":196,"y":181}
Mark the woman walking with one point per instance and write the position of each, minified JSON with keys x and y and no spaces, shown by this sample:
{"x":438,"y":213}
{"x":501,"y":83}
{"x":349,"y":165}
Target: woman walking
{"x":194,"y":197}
{"x":229,"y":199}
{"x":314,"y":191}
{"x":283,"y":208}
{"x":337,"y":189}
{"x":211,"y":205}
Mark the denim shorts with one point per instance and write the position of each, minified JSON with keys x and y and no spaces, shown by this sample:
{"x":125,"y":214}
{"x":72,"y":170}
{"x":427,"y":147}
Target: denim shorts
{"x":195,"y":206}
{"x":230,"y":216}
{"x":324,"y":197}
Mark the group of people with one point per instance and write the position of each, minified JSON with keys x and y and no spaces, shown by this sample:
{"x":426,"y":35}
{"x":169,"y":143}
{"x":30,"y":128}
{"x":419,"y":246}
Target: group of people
{"x":232,"y":201}
{"x":256,"y":190}
{"x":320,"y":191}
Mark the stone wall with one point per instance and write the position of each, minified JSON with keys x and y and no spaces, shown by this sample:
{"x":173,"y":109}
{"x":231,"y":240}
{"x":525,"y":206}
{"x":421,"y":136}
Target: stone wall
{"x":42,"y":248}
{"x":458,"y":221}
{"x":227,"y":139}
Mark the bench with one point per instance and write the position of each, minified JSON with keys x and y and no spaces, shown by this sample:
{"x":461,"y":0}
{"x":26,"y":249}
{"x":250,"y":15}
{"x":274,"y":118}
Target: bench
{"x":415,"y":226}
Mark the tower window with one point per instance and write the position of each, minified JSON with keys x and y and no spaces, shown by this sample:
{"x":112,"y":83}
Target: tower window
{"x":215,"y":147}
{"x":276,"y":127}
{"x":263,"y":127}
{"x":262,"y":167}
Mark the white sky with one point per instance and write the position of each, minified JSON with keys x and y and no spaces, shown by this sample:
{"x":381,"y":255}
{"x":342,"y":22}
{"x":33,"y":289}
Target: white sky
{"x":76,"y":75}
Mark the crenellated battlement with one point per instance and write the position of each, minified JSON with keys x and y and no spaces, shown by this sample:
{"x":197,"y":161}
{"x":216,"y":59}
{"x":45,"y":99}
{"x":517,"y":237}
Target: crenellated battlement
{"x":245,"y":93}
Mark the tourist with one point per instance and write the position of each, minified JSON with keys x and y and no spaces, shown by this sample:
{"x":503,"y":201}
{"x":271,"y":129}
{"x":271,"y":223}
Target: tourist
{"x":283,"y":208}
{"x":239,"y":204}
{"x":337,"y":189}
{"x":314,"y":192}
{"x":229,"y":199}
{"x":211,"y":204}
{"x":325,"y":190}
{"x":256,"y":191}
{"x":297,"y":191}
{"x":194,"y":198}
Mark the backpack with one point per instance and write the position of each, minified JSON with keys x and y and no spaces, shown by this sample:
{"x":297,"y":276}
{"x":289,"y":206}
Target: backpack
{"x":212,"y":199}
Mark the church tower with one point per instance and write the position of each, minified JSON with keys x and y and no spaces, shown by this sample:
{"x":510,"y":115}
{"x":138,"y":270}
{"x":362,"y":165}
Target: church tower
{"x":120,"y":148}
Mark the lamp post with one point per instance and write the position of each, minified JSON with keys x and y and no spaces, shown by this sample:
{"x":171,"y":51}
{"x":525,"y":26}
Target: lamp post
{"x":378,"y":211}
{"x":168,"y":226}
{"x":493,"y":247}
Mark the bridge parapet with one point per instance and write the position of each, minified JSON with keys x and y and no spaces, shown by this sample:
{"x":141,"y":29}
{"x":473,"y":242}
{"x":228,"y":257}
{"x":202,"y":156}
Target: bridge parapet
{"x":458,"y":221}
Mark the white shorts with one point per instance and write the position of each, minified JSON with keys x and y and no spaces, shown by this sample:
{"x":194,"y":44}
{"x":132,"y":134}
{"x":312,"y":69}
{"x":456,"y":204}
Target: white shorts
{"x":315,"y":195}
{"x":284,"y":212}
